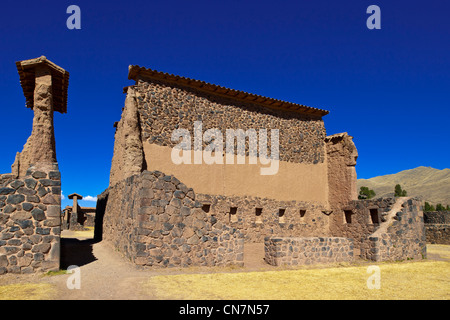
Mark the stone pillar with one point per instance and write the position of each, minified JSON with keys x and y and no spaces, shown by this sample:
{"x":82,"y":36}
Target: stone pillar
{"x":73,"y":222}
{"x":45,"y":89}
{"x":42,"y":135}
{"x":30,"y":201}
{"x":341,"y":162}
{"x":128,"y":158}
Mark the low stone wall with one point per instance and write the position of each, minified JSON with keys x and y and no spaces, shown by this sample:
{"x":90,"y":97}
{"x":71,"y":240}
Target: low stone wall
{"x":30,"y":220}
{"x":403,"y":239}
{"x":303,"y":251}
{"x":154,"y":220}
{"x":438,"y":233}
{"x":437,"y":227}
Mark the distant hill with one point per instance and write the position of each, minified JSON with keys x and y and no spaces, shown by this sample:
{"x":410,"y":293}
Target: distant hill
{"x":433,"y":185}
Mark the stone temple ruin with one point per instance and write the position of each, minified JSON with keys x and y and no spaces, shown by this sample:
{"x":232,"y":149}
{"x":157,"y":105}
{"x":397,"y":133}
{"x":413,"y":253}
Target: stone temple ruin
{"x":162,"y":213}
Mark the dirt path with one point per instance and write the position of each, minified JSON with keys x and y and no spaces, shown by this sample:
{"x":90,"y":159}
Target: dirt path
{"x":106,"y":275}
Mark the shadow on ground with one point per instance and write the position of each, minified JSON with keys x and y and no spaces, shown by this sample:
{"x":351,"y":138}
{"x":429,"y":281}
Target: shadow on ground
{"x":76,"y":252}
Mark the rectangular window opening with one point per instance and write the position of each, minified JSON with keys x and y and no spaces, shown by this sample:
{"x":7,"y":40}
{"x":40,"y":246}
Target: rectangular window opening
{"x":302,"y":213}
{"x":374,"y":216}
{"x":281,"y":218}
{"x":348,"y":216}
{"x":233,"y":214}
{"x":258,"y":214}
{"x":206,"y":208}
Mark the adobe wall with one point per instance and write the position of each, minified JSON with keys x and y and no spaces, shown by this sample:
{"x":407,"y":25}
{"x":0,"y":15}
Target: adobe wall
{"x":294,"y":251}
{"x":341,"y":161}
{"x":30,"y":221}
{"x":437,"y":227}
{"x":293,"y":181}
{"x":154,"y":220}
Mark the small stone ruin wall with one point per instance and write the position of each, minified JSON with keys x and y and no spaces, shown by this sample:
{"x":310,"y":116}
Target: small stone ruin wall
{"x":437,"y":227}
{"x":154,"y":220}
{"x":404,"y":238}
{"x":360,"y":218}
{"x":30,"y":221}
{"x":291,"y":251}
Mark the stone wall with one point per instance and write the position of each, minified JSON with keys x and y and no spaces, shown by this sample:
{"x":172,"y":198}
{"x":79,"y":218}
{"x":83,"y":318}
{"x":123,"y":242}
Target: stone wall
{"x":30,"y":220}
{"x":154,"y":220}
{"x":165,"y":107}
{"x":258,"y":218}
{"x":401,"y":237}
{"x":437,"y":227}
{"x":303,"y":251}
{"x":356,"y":220}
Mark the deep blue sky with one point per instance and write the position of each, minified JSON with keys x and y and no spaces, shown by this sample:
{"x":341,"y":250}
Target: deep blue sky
{"x":388,"y":88}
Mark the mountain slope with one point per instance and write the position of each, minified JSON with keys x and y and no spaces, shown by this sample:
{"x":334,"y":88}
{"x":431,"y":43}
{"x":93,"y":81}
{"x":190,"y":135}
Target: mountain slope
{"x":433,"y":185}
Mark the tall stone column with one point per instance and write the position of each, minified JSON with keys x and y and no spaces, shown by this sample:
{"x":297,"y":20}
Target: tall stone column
{"x":73,"y":222}
{"x":42,"y":135}
{"x":341,"y":162}
{"x":45,"y":88}
{"x":32,"y":195}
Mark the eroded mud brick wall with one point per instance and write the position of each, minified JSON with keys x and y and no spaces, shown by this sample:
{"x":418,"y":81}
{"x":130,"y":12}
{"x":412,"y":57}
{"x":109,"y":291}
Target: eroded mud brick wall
{"x":30,"y":222}
{"x":154,"y":220}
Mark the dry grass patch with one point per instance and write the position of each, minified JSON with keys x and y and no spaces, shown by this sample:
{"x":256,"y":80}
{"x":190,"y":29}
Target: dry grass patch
{"x":27,"y":291}
{"x":413,"y":280}
{"x":440,"y":249}
{"x":88,"y":233}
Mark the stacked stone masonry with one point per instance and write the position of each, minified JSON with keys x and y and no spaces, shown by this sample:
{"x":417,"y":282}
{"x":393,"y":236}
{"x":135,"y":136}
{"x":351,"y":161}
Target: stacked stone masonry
{"x":154,"y":220}
{"x":30,"y":220}
{"x":404,"y":238}
{"x":357,"y":220}
{"x":287,"y":251}
{"x":164,"y":108}
{"x":258,"y":217}
{"x":437,"y":227}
